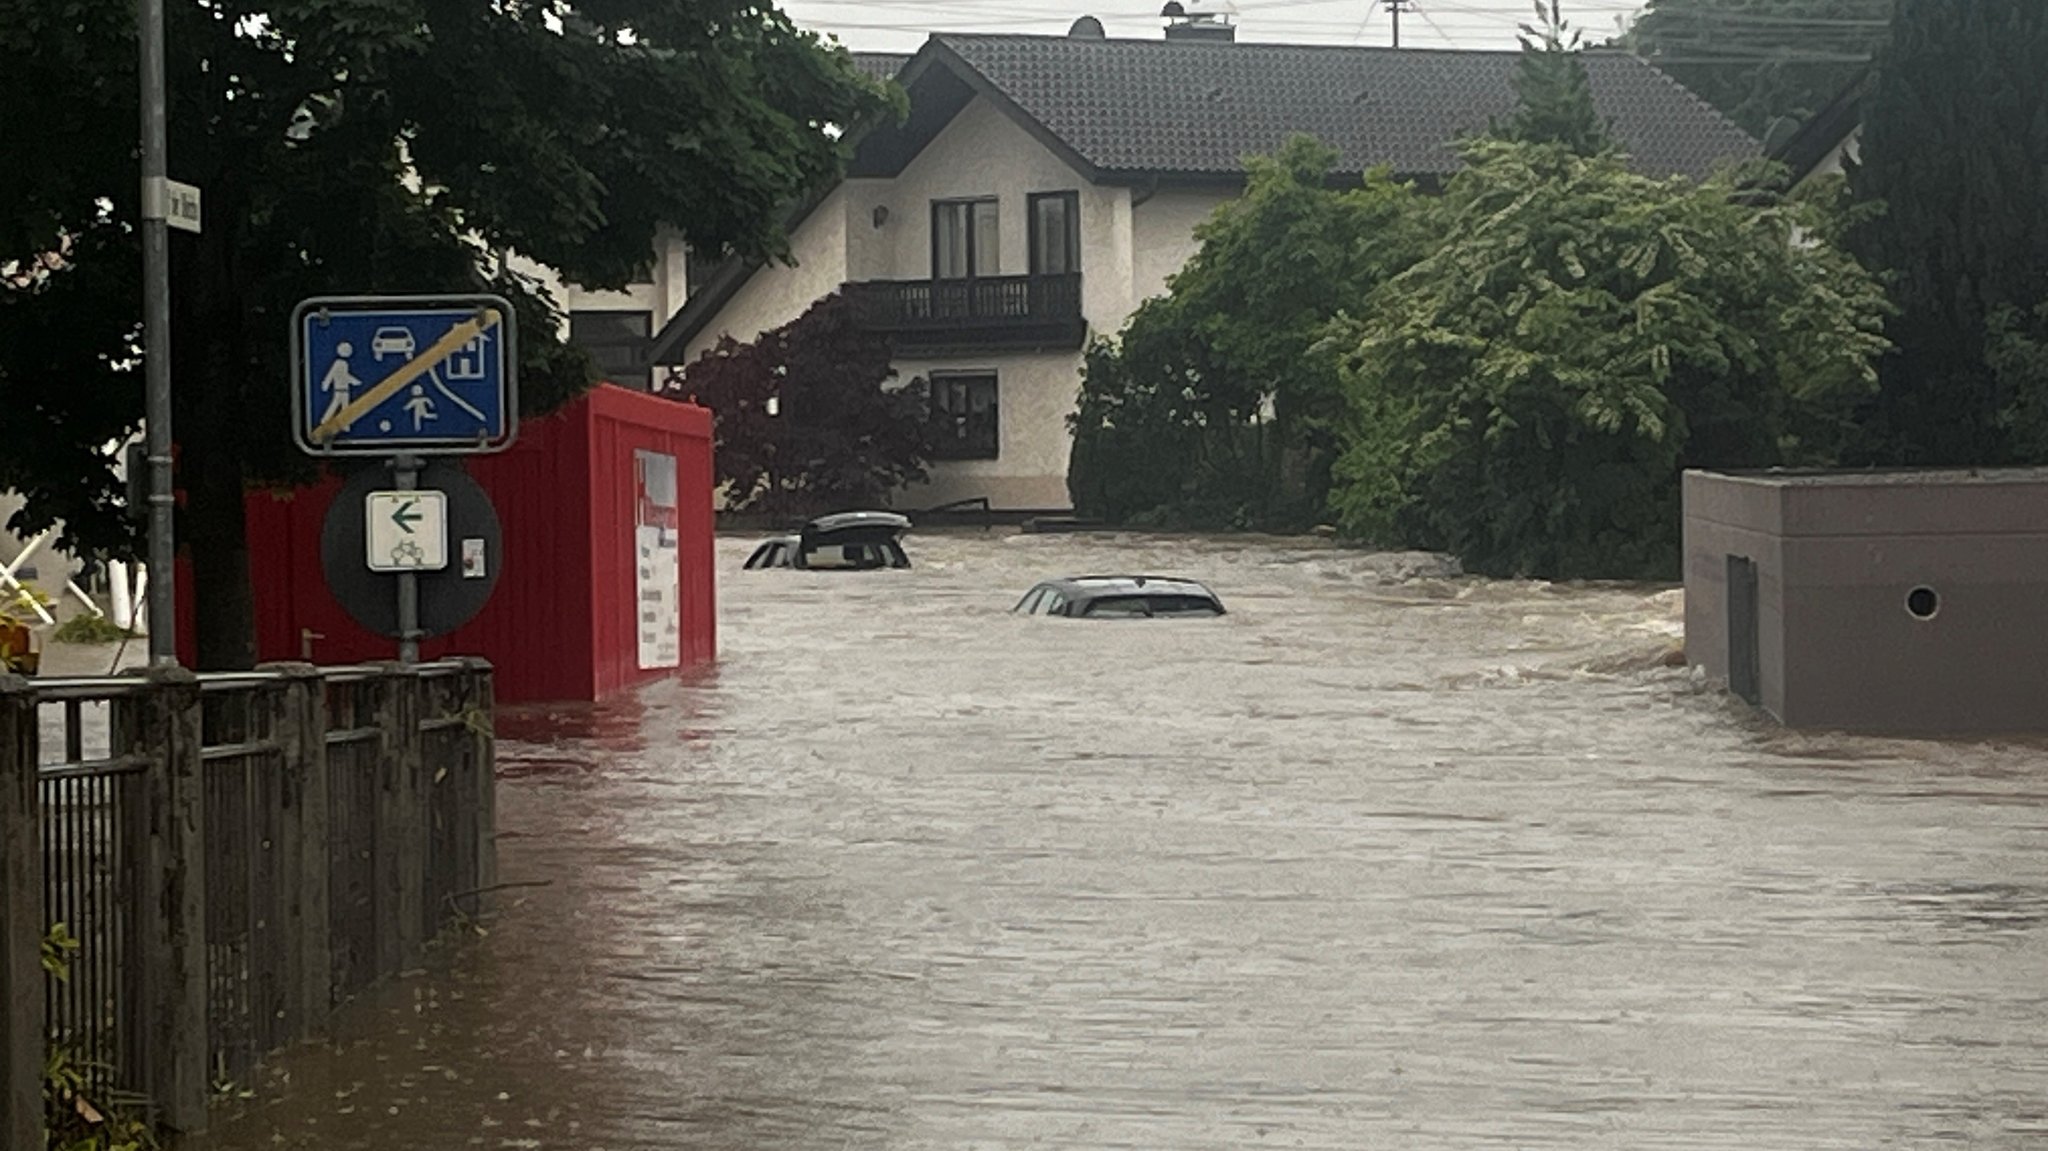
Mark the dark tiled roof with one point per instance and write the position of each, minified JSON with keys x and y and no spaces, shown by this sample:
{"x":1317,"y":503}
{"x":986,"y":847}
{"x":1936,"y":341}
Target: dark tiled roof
{"x":880,"y":65}
{"x":1155,"y":106}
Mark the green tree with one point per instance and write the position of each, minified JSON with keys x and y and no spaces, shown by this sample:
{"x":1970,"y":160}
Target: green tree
{"x":1526,"y":396}
{"x":1769,"y":65}
{"x":805,"y":418}
{"x":2018,"y":356}
{"x":1554,"y":96}
{"x":1210,"y":409}
{"x":1955,"y":146}
{"x":359,"y":146}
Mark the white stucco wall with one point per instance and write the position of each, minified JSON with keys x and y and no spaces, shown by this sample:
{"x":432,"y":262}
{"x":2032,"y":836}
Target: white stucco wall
{"x":778,"y":293}
{"x":983,"y":154}
{"x":1034,"y":394}
{"x":1165,"y":236}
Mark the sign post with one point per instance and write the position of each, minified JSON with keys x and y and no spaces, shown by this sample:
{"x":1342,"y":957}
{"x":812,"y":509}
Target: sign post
{"x":405,"y":378}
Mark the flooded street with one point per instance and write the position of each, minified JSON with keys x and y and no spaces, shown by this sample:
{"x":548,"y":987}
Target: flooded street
{"x":1381,"y":859}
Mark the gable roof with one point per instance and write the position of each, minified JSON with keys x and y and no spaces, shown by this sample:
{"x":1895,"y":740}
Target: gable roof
{"x":1151,"y":111}
{"x":1136,"y":109}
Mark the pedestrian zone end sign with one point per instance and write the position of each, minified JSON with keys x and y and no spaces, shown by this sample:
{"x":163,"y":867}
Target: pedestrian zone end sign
{"x":407,"y":531}
{"x":396,"y":375}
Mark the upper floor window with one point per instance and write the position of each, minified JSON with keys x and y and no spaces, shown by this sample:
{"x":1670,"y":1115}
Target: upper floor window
{"x":1055,"y":233}
{"x":698,"y":268}
{"x":966,"y":239}
{"x":618,"y":341}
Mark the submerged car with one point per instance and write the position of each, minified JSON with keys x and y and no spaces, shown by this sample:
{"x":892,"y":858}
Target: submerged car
{"x":1120,"y":597}
{"x":844,"y":541}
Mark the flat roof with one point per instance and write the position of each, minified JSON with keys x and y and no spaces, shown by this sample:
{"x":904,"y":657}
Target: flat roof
{"x":1881,"y":477}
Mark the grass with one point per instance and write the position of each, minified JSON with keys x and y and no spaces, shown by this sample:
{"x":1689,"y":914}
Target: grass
{"x":89,"y":629}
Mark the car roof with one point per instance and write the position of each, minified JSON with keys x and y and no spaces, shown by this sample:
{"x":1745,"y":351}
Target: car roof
{"x":842,"y":521}
{"x":1100,"y":585}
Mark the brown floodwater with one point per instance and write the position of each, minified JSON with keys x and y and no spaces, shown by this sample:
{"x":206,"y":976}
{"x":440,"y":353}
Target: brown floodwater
{"x":1383,"y":858}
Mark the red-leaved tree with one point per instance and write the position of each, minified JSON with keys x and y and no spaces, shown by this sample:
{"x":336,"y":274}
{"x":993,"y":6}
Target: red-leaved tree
{"x":808,"y":418}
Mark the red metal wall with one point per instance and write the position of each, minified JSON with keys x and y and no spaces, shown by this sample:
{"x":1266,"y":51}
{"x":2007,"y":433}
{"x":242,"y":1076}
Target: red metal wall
{"x":563,"y":621}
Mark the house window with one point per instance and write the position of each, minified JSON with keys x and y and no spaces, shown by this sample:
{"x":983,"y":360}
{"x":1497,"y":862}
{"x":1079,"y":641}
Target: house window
{"x":963,"y":416}
{"x":617,"y":341}
{"x":1055,"y":233}
{"x":966,"y":239}
{"x":698,"y":268}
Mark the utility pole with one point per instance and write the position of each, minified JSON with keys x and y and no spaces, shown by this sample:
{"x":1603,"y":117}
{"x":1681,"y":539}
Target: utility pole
{"x":1394,"y":8}
{"x":156,"y":339}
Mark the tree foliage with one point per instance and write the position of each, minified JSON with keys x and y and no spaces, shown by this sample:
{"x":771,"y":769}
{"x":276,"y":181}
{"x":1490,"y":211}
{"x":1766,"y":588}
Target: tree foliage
{"x":1210,"y":410}
{"x":805,"y":417}
{"x":359,"y":146}
{"x":1527,"y":394}
{"x":1955,"y":146}
{"x":1553,"y":94}
{"x":1769,"y":65}
{"x":2018,"y":356}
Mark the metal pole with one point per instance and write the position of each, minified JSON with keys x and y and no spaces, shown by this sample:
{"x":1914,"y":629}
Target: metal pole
{"x":406,"y":471}
{"x":156,"y":341}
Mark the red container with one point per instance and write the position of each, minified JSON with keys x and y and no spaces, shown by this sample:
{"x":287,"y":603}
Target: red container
{"x":574,"y":500}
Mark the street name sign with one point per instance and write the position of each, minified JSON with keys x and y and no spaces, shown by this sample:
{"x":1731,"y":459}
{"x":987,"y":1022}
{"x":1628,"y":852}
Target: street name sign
{"x":176,"y":204}
{"x":405,"y":531}
{"x":404,"y":375}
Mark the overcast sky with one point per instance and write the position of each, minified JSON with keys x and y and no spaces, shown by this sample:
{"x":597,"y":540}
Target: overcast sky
{"x":901,"y":25}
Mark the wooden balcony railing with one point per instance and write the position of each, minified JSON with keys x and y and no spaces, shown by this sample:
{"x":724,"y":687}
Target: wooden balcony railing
{"x":988,"y":311}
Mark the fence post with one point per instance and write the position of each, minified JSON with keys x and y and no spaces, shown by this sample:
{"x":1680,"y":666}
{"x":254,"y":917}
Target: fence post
{"x":300,"y":727}
{"x":170,"y":951}
{"x":483,"y":699}
{"x":22,"y":1026}
{"x":401,"y":821}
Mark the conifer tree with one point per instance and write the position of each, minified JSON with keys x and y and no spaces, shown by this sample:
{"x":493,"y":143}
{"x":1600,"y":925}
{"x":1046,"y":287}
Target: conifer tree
{"x":1955,"y":145}
{"x":1554,"y":95}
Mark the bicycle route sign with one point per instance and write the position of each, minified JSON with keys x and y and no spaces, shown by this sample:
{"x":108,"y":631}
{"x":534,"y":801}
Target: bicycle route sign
{"x":404,"y":375}
{"x":405,"y":530}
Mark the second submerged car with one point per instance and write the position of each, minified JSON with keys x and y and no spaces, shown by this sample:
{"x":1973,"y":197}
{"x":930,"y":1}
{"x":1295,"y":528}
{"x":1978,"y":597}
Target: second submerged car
{"x":1120,"y":597}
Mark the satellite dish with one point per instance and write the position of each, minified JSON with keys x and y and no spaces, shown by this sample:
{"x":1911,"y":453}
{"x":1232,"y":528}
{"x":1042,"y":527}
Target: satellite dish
{"x":1173,"y":10}
{"x":1087,"y":28}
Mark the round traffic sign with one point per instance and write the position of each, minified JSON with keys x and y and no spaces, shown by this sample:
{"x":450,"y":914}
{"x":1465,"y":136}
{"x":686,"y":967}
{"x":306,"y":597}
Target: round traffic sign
{"x":449,"y":597}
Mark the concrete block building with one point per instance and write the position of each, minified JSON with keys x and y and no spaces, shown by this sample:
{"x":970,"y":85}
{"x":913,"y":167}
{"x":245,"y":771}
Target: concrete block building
{"x":1910,"y":602}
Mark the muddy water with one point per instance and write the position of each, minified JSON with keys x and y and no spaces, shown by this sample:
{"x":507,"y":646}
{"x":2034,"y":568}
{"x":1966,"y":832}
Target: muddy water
{"x":1379,"y":860}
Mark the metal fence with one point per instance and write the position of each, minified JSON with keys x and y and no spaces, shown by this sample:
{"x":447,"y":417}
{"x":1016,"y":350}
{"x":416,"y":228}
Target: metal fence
{"x":234,"y":855}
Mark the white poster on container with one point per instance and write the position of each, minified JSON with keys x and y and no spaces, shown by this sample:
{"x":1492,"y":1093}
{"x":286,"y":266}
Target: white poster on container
{"x":658,"y":570}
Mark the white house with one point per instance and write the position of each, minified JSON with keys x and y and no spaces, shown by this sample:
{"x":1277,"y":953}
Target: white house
{"x":1041,"y":187}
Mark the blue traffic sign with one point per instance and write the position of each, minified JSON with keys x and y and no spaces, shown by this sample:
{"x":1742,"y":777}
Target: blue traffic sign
{"x":388,"y":375}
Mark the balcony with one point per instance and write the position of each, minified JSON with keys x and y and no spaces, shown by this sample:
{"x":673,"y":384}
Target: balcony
{"x":982,"y":314}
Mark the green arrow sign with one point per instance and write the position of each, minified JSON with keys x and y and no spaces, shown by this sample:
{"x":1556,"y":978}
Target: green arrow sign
{"x":405,"y":516}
